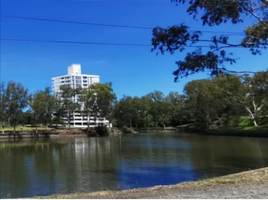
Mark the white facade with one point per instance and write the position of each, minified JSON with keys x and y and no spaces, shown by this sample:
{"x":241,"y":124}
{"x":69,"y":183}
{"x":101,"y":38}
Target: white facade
{"x":76,"y":79}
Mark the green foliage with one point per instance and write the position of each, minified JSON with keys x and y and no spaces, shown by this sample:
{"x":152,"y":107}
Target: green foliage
{"x":3,"y":105}
{"x":42,"y":105}
{"x":207,"y":103}
{"x":219,"y":102}
{"x":151,"y":110}
{"x":160,"y":109}
{"x":66,"y":105}
{"x":16,"y":99}
{"x":57,"y":120}
{"x":22,"y":128}
{"x":244,"y":122}
{"x":132,"y":111}
{"x":213,"y":13}
{"x":98,"y":100}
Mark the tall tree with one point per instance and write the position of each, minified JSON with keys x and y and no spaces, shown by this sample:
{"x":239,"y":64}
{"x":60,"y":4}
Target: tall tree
{"x":250,"y":93}
{"x":125,"y":112}
{"x":42,"y":106}
{"x":133,"y":111}
{"x":98,"y":99}
{"x":213,"y":13}
{"x":17,"y":100}
{"x":67,"y":102}
{"x":206,"y":100}
{"x":201,"y":101}
{"x":159,"y":108}
{"x":178,"y":112}
{"x":3,"y":106}
{"x":128,"y":111}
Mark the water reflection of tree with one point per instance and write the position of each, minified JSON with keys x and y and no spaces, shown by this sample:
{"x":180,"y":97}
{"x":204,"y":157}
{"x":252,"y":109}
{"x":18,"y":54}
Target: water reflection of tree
{"x":18,"y":160}
{"x":216,"y":155}
{"x":197,"y":156}
{"x":10,"y":173}
{"x":161,"y":149}
{"x":59,"y":166}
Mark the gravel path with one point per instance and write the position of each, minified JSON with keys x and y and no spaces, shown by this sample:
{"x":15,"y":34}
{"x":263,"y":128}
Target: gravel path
{"x":250,"y":191}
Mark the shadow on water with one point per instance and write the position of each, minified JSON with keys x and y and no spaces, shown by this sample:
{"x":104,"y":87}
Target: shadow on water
{"x":65,"y":165}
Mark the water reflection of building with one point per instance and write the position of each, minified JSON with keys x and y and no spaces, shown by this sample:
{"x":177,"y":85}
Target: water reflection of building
{"x":96,"y":163}
{"x":92,"y":146}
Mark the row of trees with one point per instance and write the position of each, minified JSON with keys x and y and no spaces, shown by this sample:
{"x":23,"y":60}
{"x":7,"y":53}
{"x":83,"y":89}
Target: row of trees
{"x":204,"y":103}
{"x":207,"y":102}
{"x":20,"y":107}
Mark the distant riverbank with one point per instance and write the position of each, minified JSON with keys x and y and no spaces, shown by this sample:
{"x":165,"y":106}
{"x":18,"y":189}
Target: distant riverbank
{"x":250,"y":184}
{"x":76,"y":132}
{"x":63,"y":132}
{"x":221,"y":132}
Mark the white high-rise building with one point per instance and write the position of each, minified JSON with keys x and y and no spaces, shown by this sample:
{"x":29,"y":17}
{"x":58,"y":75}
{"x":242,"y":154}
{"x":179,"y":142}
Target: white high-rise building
{"x":76,"y":80}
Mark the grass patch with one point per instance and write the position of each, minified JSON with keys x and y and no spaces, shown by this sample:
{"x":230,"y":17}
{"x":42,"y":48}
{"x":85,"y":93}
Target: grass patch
{"x":257,"y":128}
{"x":183,"y":126}
{"x":244,"y":123}
{"x":22,"y":128}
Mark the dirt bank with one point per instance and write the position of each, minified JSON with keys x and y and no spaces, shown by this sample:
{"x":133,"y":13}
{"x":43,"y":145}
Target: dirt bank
{"x":245,"y":185}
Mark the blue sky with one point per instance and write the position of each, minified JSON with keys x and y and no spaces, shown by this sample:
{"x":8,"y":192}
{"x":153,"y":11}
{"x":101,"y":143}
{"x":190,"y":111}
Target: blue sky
{"x":133,"y":71}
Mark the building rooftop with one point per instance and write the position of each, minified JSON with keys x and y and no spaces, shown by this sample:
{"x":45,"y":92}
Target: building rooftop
{"x":75,"y":70}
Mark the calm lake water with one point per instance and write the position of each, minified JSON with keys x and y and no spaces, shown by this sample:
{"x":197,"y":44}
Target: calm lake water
{"x":66,"y":165}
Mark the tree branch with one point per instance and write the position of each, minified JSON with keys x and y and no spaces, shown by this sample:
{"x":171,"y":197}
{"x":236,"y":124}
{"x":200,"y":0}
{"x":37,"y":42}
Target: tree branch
{"x":265,"y":2}
{"x":255,"y":15}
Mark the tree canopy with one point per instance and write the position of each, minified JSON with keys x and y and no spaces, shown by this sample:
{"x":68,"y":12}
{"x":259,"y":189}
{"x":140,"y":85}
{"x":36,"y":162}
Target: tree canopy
{"x":67,"y":103}
{"x":98,"y":99}
{"x":217,"y":53}
{"x":42,"y":105}
{"x":15,"y":99}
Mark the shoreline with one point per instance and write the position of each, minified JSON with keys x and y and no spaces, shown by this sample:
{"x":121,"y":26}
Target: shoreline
{"x":248,"y":184}
{"x":52,"y":133}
